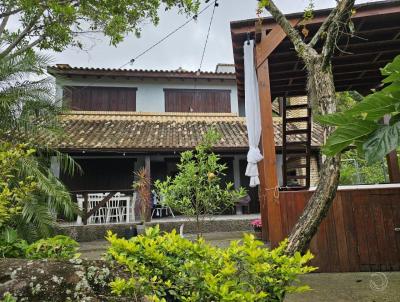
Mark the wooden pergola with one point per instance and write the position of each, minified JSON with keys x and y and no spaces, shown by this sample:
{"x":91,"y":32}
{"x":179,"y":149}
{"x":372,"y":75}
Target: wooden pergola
{"x":359,"y":55}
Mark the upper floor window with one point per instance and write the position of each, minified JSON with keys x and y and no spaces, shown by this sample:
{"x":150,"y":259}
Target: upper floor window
{"x":95,"y":98}
{"x":197,"y":100}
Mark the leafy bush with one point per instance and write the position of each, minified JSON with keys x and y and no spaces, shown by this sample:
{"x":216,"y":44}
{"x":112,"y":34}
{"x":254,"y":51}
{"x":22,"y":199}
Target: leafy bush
{"x":171,"y":268}
{"x":7,"y":297}
{"x":355,"y":170}
{"x":14,"y":190}
{"x":58,"y":247}
{"x":197,"y":190}
{"x":11,"y":246}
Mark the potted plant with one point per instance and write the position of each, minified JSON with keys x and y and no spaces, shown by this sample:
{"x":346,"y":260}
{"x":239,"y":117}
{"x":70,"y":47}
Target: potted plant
{"x":142,"y":188}
{"x":257,"y":227}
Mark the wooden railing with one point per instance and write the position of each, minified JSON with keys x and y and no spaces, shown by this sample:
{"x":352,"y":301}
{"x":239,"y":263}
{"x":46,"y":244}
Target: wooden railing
{"x":360,"y":233}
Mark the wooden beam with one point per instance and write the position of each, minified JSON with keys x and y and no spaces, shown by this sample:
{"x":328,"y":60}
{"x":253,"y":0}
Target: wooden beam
{"x":393,"y":167}
{"x":85,"y":208}
{"x":269,"y":201}
{"x":147,"y":164}
{"x":271,"y":41}
{"x":100,"y":204}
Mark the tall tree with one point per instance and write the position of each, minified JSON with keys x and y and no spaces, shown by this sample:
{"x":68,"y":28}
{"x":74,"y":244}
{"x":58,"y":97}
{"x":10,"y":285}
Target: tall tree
{"x":28,"y":111}
{"x":28,"y":107}
{"x":56,"y":24}
{"x":321,"y":90}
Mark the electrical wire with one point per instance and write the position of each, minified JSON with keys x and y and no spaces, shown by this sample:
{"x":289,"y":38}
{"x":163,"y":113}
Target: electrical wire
{"x":208,"y":34}
{"x":174,"y":31}
{"x":131,"y":61}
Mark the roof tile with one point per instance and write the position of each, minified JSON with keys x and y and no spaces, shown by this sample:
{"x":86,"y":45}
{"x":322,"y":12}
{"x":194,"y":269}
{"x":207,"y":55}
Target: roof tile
{"x":136,"y":131}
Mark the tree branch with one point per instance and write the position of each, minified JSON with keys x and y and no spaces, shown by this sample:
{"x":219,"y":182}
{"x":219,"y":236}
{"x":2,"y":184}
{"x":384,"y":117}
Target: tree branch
{"x":31,"y":45}
{"x":322,"y":28}
{"x":3,"y":25}
{"x":339,"y":20}
{"x":21,"y":36}
{"x":10,"y":12}
{"x":291,"y":32}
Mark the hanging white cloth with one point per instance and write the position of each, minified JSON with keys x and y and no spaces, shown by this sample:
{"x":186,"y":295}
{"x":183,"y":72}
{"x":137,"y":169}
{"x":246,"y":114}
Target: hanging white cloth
{"x":253,"y":119}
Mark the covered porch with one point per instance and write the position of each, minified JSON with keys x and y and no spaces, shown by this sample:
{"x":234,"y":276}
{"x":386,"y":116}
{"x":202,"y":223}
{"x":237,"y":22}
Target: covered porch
{"x":361,"y":231}
{"x":104,"y":191}
{"x":111,"y":146}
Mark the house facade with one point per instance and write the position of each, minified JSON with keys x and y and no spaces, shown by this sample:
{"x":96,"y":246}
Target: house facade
{"x":121,"y":120}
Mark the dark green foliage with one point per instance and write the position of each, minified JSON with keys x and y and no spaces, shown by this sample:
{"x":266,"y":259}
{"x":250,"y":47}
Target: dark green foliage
{"x":355,"y":170}
{"x":362,"y":126}
{"x":12,"y":246}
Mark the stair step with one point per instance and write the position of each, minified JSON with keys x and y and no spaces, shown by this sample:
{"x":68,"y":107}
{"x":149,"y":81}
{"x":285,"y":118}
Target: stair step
{"x":297,"y":119}
{"x":294,"y":156}
{"x":294,"y":188}
{"x":296,"y":166}
{"x":295,"y":151}
{"x":296,"y":106}
{"x":296,"y":177}
{"x":297,"y":144}
{"x":296,"y":131}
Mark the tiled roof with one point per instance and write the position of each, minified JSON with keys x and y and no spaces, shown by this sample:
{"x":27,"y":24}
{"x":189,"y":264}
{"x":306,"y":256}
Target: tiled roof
{"x":135,"y":131}
{"x":66,"y":69}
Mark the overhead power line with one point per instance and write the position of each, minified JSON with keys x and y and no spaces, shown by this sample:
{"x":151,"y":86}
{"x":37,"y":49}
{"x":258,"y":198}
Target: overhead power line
{"x":214,"y":4}
{"x":194,"y":18}
{"x":208,"y":33}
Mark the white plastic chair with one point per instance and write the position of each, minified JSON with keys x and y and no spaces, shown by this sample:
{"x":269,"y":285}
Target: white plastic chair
{"x":159,"y":210}
{"x":93,"y":199}
{"x":115,"y":210}
{"x":100,"y":215}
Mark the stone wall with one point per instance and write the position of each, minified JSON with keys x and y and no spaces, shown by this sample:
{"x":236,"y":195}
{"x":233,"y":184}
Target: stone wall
{"x":84,"y":233}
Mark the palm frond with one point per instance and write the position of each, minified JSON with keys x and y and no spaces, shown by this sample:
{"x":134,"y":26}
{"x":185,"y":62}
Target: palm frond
{"x":38,"y":214}
{"x":58,"y":197}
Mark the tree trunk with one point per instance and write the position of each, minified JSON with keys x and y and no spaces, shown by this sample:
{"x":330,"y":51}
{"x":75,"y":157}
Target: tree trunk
{"x":321,"y":90}
{"x":322,"y":93}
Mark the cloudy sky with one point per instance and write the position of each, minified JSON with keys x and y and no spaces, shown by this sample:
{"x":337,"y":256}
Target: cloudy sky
{"x":184,"y":48}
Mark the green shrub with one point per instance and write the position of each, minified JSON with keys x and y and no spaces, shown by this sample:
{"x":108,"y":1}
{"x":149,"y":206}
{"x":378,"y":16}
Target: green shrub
{"x":197,"y":190}
{"x":58,"y":247}
{"x":7,"y":297}
{"x":171,"y":268}
{"x":11,"y":246}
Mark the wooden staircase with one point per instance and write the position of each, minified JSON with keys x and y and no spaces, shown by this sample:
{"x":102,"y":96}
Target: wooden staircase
{"x":296,"y":145}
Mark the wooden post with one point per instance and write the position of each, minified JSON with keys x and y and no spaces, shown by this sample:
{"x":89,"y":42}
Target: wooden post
{"x":147,"y":165}
{"x":268,"y":194}
{"x":393,"y":167}
{"x":269,"y":201}
{"x":392,"y":160}
{"x":85,"y":208}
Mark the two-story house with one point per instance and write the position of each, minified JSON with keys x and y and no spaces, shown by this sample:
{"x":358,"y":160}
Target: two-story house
{"x":121,"y":120}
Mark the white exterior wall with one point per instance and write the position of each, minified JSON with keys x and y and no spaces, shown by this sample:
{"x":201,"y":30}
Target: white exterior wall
{"x":150,"y":92}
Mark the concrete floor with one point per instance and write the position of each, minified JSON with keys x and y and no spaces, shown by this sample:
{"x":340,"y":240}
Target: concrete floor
{"x":332,"y":287}
{"x":349,"y":287}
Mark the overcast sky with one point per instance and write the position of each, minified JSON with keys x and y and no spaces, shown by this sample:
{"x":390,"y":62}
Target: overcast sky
{"x":184,"y":48}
